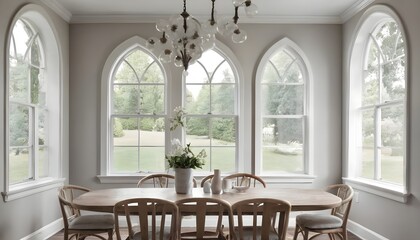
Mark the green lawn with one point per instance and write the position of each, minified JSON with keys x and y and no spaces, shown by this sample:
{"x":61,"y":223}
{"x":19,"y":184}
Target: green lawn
{"x":222,"y":157}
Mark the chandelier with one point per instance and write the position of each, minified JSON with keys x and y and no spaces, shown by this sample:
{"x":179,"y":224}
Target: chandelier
{"x":184,"y":39}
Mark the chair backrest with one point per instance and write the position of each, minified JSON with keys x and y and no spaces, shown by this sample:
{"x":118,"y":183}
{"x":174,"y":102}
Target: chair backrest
{"x":273,"y":213}
{"x":205,"y":179}
{"x":160,"y":180}
{"x":152,"y":216}
{"x":345,"y":192}
{"x":66,"y":195}
{"x":202,"y":209}
{"x":246,"y":179}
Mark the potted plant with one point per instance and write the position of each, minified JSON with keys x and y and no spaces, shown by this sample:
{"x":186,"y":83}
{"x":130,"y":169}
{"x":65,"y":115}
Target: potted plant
{"x":182,"y":159}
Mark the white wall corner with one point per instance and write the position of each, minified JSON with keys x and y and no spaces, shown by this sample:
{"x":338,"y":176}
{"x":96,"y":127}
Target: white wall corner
{"x":354,"y":9}
{"x":59,"y":9}
{"x":46,"y":231}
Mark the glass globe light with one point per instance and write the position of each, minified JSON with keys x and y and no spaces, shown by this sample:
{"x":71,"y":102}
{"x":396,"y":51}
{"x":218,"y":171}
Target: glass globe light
{"x":178,"y":61}
{"x":166,"y":56}
{"x":239,"y":36}
{"x":162,"y":25}
{"x":251,"y":10}
{"x":152,"y":43}
{"x":237,"y":3}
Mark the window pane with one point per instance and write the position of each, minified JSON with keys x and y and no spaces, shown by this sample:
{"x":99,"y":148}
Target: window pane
{"x":223,"y":99}
{"x":284,"y":151}
{"x":282,"y":159}
{"x":224,"y":74}
{"x":392,"y":138}
{"x":19,"y":85}
{"x":393,"y":80}
{"x":197,"y":131}
{"x":370,"y":84}
{"x":222,"y":158}
{"x":19,"y":165}
{"x":22,"y":33}
{"x":126,"y":132}
{"x":43,"y":163}
{"x":19,"y":125}
{"x":282,"y":61}
{"x":282,"y":99}
{"x":293,"y":74}
{"x":223,"y":131}
{"x":152,"y":159}
{"x":368,"y":144}
{"x":139,"y":144}
{"x":36,"y":53}
{"x":137,"y":67}
{"x":197,"y":75}
{"x":42,"y":127}
{"x":125,"y":160}
{"x":126,"y":99}
{"x":270,"y":75}
{"x":198,"y":99}
{"x":152,"y":132}
{"x":152,"y":99}
{"x":153,"y":74}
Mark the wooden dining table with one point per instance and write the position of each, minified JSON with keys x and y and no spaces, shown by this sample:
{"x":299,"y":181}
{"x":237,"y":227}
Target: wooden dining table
{"x":300,"y":199}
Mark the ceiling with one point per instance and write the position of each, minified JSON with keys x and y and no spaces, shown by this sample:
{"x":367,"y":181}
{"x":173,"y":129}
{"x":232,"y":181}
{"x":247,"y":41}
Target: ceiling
{"x":270,"y":11}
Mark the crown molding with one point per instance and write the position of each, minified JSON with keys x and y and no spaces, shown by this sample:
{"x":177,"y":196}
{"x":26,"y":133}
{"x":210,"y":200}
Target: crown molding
{"x":150,"y":18}
{"x":354,"y":9}
{"x":59,"y":9}
{"x":133,"y":18}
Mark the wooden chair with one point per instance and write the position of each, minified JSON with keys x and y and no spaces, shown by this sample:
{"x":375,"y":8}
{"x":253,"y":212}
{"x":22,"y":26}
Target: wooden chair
{"x":334,"y":224}
{"x":270,"y":218}
{"x":205,"y":179}
{"x":160,"y":180}
{"x":246,"y":179}
{"x":80,"y":226}
{"x":203,"y":209}
{"x":152,"y":215}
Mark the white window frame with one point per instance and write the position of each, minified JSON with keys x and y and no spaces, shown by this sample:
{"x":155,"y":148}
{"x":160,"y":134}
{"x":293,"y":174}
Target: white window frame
{"x":233,"y":62}
{"x":173,"y":100}
{"x":367,"y":23}
{"x":39,"y":19}
{"x":307,"y":176}
{"x":106,"y":104}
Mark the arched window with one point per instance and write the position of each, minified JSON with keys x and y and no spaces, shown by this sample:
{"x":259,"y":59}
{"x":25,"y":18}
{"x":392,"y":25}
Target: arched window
{"x":136,"y":108}
{"x":281,"y":111}
{"x":211,"y":101}
{"x":378,"y":93}
{"x":34,"y":102}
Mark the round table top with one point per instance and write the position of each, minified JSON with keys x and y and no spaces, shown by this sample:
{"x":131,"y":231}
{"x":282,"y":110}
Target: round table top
{"x":300,"y":199}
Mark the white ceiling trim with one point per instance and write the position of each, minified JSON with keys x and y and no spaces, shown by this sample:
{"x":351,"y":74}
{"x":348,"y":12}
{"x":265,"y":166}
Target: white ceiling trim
{"x":132,"y":18}
{"x":109,"y":18}
{"x":59,"y":9}
{"x":353,"y":10}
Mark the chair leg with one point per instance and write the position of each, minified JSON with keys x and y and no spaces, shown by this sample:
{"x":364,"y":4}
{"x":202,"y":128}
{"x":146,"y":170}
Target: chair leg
{"x":296,"y":232}
{"x":110,"y":233}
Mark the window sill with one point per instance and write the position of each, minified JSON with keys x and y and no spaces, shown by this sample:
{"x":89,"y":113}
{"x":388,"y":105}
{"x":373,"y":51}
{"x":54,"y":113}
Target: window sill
{"x":30,"y":188}
{"x":389,"y":191}
{"x":279,"y":179}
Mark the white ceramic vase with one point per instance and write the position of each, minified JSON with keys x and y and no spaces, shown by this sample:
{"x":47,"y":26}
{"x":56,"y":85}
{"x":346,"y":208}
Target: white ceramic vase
{"x":183,"y":180}
{"x":216,"y":182}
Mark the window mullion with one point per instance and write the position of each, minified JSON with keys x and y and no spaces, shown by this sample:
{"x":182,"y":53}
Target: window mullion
{"x":31,"y":140}
{"x":378,"y":145}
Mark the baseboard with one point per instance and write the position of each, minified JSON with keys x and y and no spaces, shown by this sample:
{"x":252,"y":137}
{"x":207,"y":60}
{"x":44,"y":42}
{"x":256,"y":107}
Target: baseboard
{"x":46,"y":232}
{"x":363,"y":233}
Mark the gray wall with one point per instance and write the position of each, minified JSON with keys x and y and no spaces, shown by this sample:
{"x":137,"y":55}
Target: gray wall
{"x":392,"y":219}
{"x":24,"y":216}
{"x":90,"y":45}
